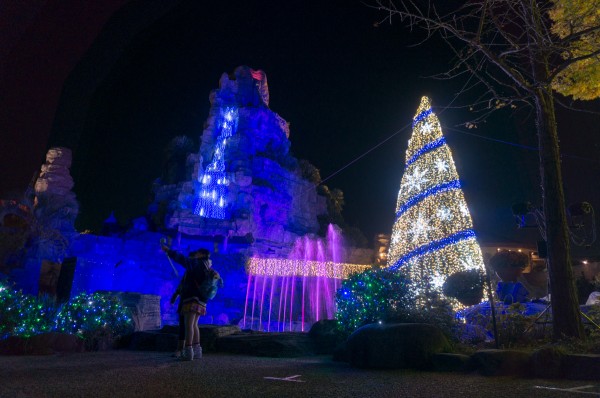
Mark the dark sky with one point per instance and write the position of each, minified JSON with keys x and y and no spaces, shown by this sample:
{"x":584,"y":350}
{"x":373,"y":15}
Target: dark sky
{"x":143,"y":72}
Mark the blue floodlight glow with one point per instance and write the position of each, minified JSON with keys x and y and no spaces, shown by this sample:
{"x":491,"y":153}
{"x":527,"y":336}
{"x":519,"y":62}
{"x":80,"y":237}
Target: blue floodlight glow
{"x":212,"y":196}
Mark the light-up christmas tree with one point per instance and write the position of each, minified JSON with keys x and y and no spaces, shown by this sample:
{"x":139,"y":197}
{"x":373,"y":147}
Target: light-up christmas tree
{"x":432,"y":236}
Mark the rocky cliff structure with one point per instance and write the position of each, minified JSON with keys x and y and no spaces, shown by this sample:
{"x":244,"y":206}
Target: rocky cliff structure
{"x":242,"y":195}
{"x":55,"y":205}
{"x":40,"y":227}
{"x":244,"y":183}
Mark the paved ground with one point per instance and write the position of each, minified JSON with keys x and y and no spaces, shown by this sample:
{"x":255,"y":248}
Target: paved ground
{"x":153,"y":374}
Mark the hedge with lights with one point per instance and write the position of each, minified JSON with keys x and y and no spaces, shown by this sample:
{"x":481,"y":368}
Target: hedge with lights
{"x":24,"y":315}
{"x":86,"y":315}
{"x":372,"y":296}
{"x":386,"y":296}
{"x":93,"y":315}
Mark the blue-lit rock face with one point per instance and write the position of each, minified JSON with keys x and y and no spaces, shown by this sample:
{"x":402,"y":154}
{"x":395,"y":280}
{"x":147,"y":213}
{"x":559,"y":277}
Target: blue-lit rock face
{"x":244,"y":196}
{"x":245,"y":182}
{"x":240,"y":194}
{"x":134,"y":263}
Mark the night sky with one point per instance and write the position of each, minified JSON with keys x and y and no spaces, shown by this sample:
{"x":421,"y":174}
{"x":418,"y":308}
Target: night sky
{"x":133,"y":75}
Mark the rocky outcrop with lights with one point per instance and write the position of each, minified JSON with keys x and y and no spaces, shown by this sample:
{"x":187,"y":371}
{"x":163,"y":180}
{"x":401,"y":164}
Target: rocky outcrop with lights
{"x":244,"y":182}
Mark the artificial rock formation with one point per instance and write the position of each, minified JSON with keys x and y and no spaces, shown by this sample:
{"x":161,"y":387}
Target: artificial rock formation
{"x":54,"y":178}
{"x":55,"y":205}
{"x":245,"y":183}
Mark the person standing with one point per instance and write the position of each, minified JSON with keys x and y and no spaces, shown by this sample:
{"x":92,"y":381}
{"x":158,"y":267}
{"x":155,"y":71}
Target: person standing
{"x":192,"y":306}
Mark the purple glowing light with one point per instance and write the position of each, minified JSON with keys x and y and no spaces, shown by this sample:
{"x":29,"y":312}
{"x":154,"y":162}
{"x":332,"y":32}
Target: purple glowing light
{"x":300,"y":289}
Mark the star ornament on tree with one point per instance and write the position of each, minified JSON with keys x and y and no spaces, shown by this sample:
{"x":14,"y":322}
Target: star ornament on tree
{"x":437,"y":280}
{"x":441,"y":165}
{"x":469,"y":263}
{"x":415,"y":180}
{"x":420,"y":228}
{"x":444,"y":214}
{"x":426,"y":128}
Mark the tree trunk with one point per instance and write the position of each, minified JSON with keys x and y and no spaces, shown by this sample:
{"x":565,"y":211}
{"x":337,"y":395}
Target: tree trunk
{"x":565,"y":305}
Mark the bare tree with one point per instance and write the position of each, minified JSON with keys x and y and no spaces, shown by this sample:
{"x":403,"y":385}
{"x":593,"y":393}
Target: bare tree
{"x":510,"y":55}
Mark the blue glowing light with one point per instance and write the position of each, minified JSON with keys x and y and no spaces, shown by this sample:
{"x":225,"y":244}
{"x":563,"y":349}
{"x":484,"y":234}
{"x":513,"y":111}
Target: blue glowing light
{"x":433,"y":246}
{"x":430,"y":146}
{"x":212,"y":195}
{"x":421,"y":116}
{"x":446,"y":186}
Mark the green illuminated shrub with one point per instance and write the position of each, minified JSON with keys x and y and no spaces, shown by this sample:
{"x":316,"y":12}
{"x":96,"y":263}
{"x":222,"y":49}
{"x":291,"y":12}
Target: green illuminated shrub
{"x":390,"y":296}
{"x":94,"y":317}
{"x":24,"y":315}
{"x":371,"y":296}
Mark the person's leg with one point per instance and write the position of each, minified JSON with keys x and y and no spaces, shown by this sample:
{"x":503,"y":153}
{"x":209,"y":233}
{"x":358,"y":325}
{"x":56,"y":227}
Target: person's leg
{"x":196,"y":341}
{"x":189,"y":318}
{"x":181,"y":341}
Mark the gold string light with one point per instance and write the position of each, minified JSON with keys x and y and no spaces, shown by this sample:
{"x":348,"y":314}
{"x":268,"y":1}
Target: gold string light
{"x":287,"y":267}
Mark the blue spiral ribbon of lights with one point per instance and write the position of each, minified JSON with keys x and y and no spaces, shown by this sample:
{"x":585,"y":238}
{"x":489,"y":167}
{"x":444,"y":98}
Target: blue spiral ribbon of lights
{"x":422,"y":116}
{"x":446,"y":186}
{"x":430,"y":146}
{"x":434,"y":246}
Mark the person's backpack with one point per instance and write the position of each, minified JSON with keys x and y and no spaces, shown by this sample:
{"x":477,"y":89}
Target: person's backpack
{"x":207,"y":290}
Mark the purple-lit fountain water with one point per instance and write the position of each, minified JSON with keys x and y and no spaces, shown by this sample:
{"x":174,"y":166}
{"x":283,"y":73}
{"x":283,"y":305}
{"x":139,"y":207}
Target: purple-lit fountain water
{"x":291,"y":294}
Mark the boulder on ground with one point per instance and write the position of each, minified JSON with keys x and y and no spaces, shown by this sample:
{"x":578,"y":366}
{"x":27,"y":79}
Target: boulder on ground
{"x":546,"y":363}
{"x":581,"y":366}
{"x":326,"y":336}
{"x":54,"y":342}
{"x":210,"y":333}
{"x":392,"y":346}
{"x":340,"y":353}
{"x":13,"y":345}
{"x":448,"y":362}
{"x":42,"y":344}
{"x":501,"y":363}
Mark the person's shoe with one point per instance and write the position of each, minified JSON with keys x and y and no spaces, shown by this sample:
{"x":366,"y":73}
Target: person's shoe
{"x":197,"y":351}
{"x":188,"y":354}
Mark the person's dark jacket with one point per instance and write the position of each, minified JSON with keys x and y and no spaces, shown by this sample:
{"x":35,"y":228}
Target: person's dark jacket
{"x":196,"y":270}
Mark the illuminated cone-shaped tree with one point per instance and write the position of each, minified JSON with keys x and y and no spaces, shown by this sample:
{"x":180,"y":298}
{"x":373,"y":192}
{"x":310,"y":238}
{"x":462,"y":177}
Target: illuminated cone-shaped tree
{"x":432,"y":236}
